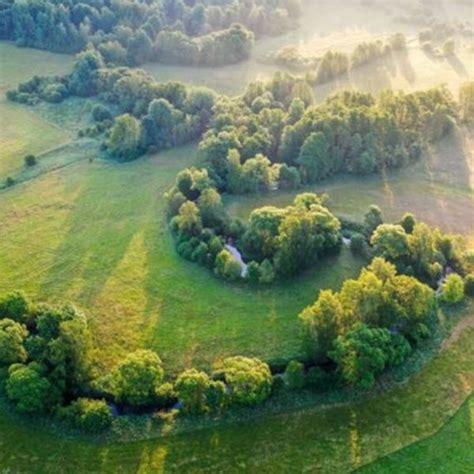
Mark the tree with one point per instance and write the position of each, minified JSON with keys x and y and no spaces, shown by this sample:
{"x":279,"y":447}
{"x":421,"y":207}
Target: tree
{"x":188,"y":221}
{"x":125,"y":137}
{"x":91,"y":416}
{"x":211,"y":208}
{"x":314,"y":158}
{"x":408,"y":222}
{"x":372,"y":219}
{"x":216,"y":395}
{"x":192,"y":387}
{"x":14,"y":305}
{"x":390,"y":241}
{"x":30,"y":161}
{"x":469,"y":284}
{"x":452,"y":291}
{"x":227,"y":267}
{"x":30,"y":390}
{"x":134,"y":380}
{"x":363,"y":353}
{"x":320,"y":323}
{"x":294,"y":374}
{"x":12,"y":338}
{"x":249,"y":380}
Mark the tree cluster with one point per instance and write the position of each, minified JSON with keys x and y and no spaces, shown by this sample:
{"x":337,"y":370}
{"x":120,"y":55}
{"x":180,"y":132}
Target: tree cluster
{"x":351,"y":132}
{"x":372,"y":323}
{"x":202,"y":32}
{"x":138,"y":114}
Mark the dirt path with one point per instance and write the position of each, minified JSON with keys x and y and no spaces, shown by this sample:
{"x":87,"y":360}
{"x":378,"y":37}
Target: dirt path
{"x":464,"y":324}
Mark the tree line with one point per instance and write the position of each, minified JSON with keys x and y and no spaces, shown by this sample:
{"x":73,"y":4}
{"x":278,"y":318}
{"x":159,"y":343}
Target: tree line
{"x":131,"y":32}
{"x":350,"y":337}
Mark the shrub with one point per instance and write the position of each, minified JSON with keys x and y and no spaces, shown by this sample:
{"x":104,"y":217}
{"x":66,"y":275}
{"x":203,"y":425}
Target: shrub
{"x":30,"y":160}
{"x":358,"y":243}
{"x":12,"y":337}
{"x":101,"y":112}
{"x":135,"y":379}
{"x":9,"y":182}
{"x":452,"y":291}
{"x":92,"y":416}
{"x":216,"y":395}
{"x":165,"y":395}
{"x":14,"y":305}
{"x":249,"y":380}
{"x":191,"y":387}
{"x":278,"y":383}
{"x":295,"y":375}
{"x":469,"y":284}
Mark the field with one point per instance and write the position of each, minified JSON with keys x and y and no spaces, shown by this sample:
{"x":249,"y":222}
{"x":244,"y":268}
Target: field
{"x":84,"y":229}
{"x":323,"y":439}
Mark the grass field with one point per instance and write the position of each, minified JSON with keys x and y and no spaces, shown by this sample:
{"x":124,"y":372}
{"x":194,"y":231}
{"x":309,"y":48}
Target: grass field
{"x":331,"y":439}
{"x":100,"y":239}
{"x":94,"y":232}
{"x":23,"y":132}
{"x":450,"y":450}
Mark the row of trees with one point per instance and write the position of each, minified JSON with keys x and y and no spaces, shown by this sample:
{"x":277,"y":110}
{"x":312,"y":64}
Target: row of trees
{"x":46,"y":369}
{"x":203,"y":32}
{"x":138,"y":113}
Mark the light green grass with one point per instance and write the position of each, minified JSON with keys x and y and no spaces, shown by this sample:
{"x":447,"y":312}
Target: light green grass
{"x":23,"y":132}
{"x":95,"y":233}
{"x":451,"y":450}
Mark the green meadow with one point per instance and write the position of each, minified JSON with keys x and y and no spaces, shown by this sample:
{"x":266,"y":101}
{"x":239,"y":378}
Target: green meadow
{"x":81,"y":228}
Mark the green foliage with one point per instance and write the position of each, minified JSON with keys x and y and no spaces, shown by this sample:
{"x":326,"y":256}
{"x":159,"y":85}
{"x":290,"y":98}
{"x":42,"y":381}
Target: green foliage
{"x":134,"y":380}
{"x":295,"y":376}
{"x":408,"y":222}
{"x":363,"y":353}
{"x":30,"y":390}
{"x":466,"y":101}
{"x":227,"y":266}
{"x":91,"y":416}
{"x":390,"y":241}
{"x":249,"y":380}
{"x":358,"y":243}
{"x":372,"y":219}
{"x":379,"y":298}
{"x":30,"y":160}
{"x":166,"y":395}
{"x":452,"y":291}
{"x":14,"y":305}
{"x":192,"y":387}
{"x":469,"y":284}
{"x":100,"y":113}
{"x":125,"y":137}
{"x":12,"y":338}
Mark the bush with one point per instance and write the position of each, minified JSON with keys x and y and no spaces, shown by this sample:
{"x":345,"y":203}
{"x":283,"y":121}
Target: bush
{"x":30,"y":160}
{"x":165,"y":395}
{"x":249,"y":380}
{"x":452,"y":291}
{"x":191,"y":387}
{"x":278,"y":383}
{"x":101,"y":112}
{"x":358,"y":243}
{"x":9,"y":182}
{"x":92,"y":416}
{"x":469,"y":284}
{"x":294,"y":373}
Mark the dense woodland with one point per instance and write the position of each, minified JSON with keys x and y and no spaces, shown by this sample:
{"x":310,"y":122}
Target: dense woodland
{"x":131,"y":32}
